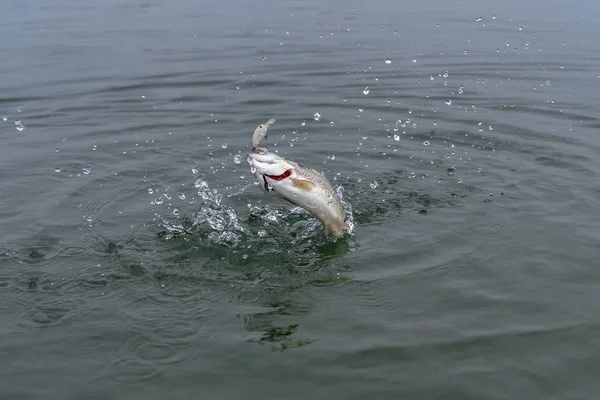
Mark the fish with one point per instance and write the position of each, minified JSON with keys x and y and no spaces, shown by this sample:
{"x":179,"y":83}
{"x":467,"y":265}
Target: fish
{"x":301,"y":186}
{"x":260,"y":132}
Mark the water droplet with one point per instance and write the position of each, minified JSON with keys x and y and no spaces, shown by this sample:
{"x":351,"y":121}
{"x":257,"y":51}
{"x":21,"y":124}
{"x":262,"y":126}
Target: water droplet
{"x":388,"y":60}
{"x":366,"y":90}
{"x":494,"y":16}
{"x":262,"y":233}
{"x":374,"y":184}
{"x":317,"y":116}
{"x":4,"y":118}
{"x":414,"y":61}
{"x":478,"y":19}
{"x":448,"y":102}
{"x":150,"y":191}
{"x":396,"y":137}
{"x":56,"y":169}
{"x":195,"y":170}
{"x":224,"y":145}
{"x":237,"y":159}
{"x":445,"y":74}
{"x":175,"y":212}
{"x":167,"y":196}
{"x":360,"y":110}
{"x":94,"y":147}
{"x":303,"y":123}
{"x":332,"y":157}
{"x":87,"y":170}
{"x":459,"y":180}
{"x":182,"y":196}
{"x":490,"y":128}
{"x":159,"y":200}
{"x":426,"y":143}
{"x":461,"y":90}
{"x":331,"y":123}
{"x":19,"y":125}
{"x":245,"y":256}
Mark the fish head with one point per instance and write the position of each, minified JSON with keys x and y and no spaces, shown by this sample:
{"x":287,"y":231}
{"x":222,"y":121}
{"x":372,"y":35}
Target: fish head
{"x":271,"y":170}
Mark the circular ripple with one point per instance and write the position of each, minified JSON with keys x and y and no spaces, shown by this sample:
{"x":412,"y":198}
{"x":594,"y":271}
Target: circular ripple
{"x":155,"y":352}
{"x":130,"y":369}
{"x":91,"y":343}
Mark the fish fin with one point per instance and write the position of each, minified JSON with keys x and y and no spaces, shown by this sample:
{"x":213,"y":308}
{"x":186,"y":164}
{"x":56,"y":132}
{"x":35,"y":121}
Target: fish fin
{"x":301,"y":184}
{"x":336,"y":228}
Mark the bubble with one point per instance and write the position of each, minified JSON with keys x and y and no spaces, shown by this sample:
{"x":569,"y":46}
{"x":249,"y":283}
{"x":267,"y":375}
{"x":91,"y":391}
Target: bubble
{"x":150,"y":191}
{"x":426,"y":143}
{"x":332,"y":157}
{"x":245,"y":256}
{"x":317,"y":116}
{"x":87,"y":170}
{"x":494,"y":16}
{"x":19,"y":125}
{"x":94,"y":147}
{"x":448,"y":102}
{"x":366,"y":90}
{"x":388,"y":61}
{"x":159,"y":200}
{"x":4,"y":118}
{"x":374,"y":184}
{"x":195,"y":171}
{"x":303,"y":123}
{"x":262,"y":233}
{"x":182,"y":196}
{"x":490,"y":128}
{"x":56,"y":169}
{"x":224,"y":145}
{"x":396,"y":137}
{"x":360,"y":110}
{"x":445,"y":74}
{"x":478,"y":19}
{"x":331,"y":123}
{"x":414,"y":61}
{"x":237,"y":159}
{"x":175,"y":212}
{"x":461,"y":90}
{"x":167,"y":196}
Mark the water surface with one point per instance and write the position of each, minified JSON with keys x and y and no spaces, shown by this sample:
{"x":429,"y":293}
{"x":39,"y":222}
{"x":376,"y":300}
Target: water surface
{"x":140,"y":261}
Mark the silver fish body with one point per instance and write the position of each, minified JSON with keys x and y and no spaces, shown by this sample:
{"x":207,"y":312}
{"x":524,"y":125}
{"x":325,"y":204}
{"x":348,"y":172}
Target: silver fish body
{"x":301,"y":186}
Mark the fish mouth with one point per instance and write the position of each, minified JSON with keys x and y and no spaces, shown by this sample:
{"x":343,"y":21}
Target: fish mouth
{"x":281,"y":177}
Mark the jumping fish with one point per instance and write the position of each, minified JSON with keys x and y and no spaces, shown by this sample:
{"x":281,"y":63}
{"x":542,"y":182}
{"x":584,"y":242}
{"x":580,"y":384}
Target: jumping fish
{"x":303,"y":187}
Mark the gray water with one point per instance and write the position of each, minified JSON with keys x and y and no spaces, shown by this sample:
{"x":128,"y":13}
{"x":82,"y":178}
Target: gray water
{"x":138,"y":260}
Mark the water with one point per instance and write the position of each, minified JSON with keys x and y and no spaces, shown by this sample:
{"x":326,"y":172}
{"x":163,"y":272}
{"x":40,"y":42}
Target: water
{"x":140,"y":261}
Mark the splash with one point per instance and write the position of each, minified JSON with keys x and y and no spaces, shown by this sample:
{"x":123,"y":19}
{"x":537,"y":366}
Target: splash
{"x":222,"y":224}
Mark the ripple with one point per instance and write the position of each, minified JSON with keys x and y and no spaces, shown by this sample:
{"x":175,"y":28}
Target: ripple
{"x":155,"y":353}
{"x":52,"y":311}
{"x":130,"y":369}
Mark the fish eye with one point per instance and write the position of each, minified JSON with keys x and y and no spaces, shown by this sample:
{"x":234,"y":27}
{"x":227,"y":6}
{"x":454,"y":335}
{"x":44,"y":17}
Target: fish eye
{"x":260,"y":127}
